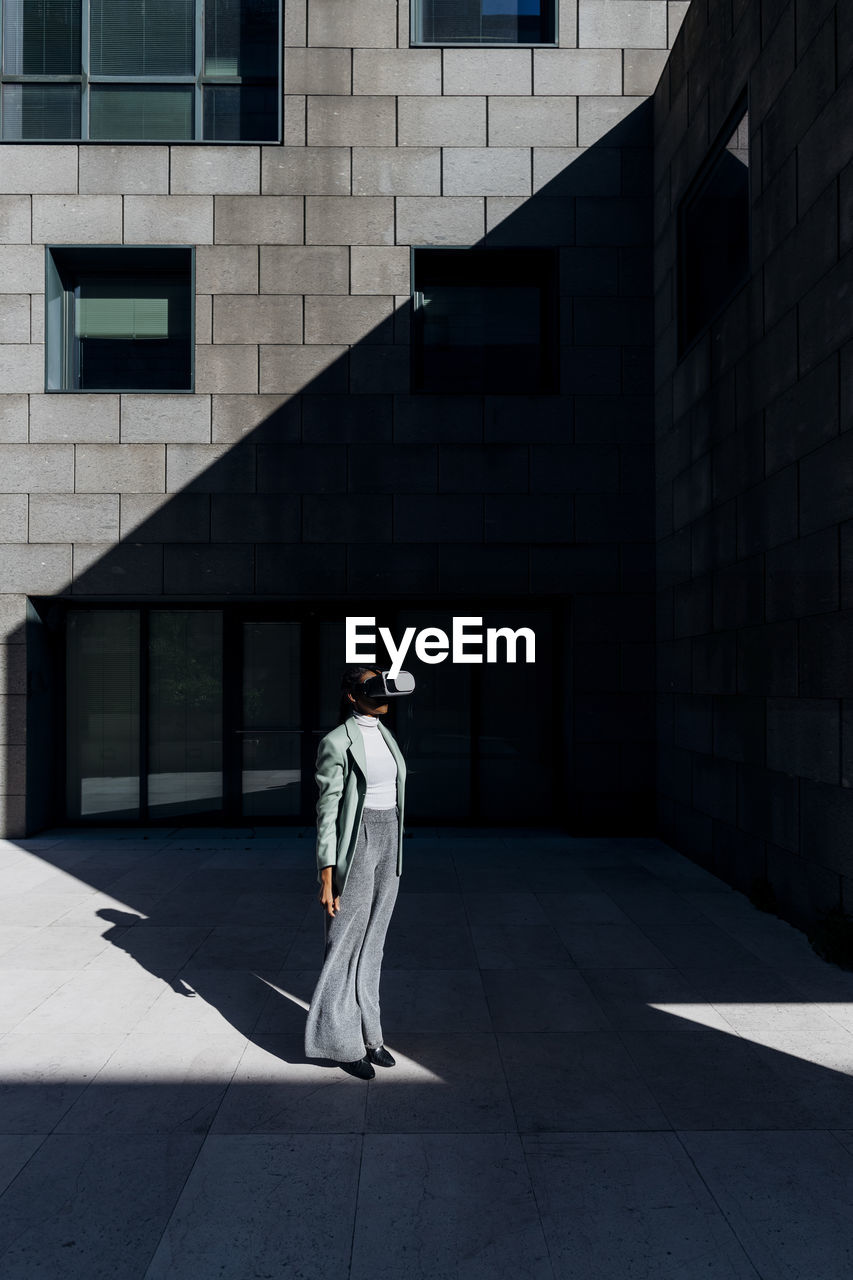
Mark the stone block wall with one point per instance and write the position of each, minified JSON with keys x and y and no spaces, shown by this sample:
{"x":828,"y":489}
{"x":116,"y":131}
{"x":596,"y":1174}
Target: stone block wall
{"x":254,"y":486}
{"x":755,"y":465}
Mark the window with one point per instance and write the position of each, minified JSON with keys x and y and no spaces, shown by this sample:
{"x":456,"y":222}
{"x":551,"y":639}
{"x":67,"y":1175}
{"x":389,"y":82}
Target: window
{"x":119,"y":319}
{"x":485,"y":320}
{"x":714,"y":231}
{"x":483,"y":22}
{"x":140,"y":70}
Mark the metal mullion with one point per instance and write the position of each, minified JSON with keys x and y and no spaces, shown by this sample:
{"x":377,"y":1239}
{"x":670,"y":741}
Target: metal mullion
{"x":198,"y":116}
{"x":85,"y":29}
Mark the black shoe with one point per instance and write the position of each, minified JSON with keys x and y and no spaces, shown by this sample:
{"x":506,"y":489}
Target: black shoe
{"x":381,"y":1057}
{"x":362,"y":1069}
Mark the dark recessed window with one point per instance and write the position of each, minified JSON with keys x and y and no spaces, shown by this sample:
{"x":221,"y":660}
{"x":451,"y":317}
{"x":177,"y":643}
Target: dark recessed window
{"x":485,"y":320}
{"x":140,"y":70}
{"x":483,"y":22}
{"x":119,"y":319}
{"x":714,"y":232}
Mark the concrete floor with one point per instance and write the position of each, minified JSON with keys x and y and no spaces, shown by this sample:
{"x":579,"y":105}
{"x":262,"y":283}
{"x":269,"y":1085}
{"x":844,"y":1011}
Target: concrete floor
{"x":610,"y":1067}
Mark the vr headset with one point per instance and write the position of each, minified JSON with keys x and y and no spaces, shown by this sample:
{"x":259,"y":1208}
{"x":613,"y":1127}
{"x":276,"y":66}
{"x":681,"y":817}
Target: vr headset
{"x":385,"y":685}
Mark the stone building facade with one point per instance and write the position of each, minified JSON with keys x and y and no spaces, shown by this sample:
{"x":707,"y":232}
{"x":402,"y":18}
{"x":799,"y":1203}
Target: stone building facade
{"x":755,"y":463}
{"x":304,"y":477}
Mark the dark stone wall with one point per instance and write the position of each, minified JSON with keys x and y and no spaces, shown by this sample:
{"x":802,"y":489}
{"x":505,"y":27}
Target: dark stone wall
{"x":754,"y":483}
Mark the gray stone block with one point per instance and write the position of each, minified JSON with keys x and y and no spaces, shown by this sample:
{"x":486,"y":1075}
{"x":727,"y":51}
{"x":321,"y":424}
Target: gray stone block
{"x":263,"y":417}
{"x":371,"y":24}
{"x":212,"y":170}
{"x":767,"y":513}
{"x":295,"y":369}
{"x":37,"y":469}
{"x":528,"y":419}
{"x":342,"y":220}
{"x":441,"y":122}
{"x":138,"y":171}
{"x":768,"y":804}
{"x":574,"y":468}
{"x":567,"y":23}
{"x":117,"y":468}
{"x":210,"y":468}
{"x":295,"y":114}
{"x":486,"y":171}
{"x":226,"y":268}
{"x":392,"y":171}
{"x":767,"y":659}
{"x":396,"y":569}
{"x":13,"y":518}
{"x":254,"y":517}
{"x":21,"y":269}
{"x":376,"y":369}
{"x":283,"y":569}
{"x":168,"y":219}
{"x":351,"y":122}
{"x":14,"y":317}
{"x":309,"y":269}
{"x":529,"y":518}
{"x":487,"y":71}
{"x":399,"y":468}
{"x":13,"y":418}
{"x":437,"y":418}
{"x":258,"y":220}
{"x":152,"y":419}
{"x":302,"y":468}
{"x":676,"y":13}
{"x":397,"y":71}
{"x":38,"y":168}
{"x":497,"y":570}
{"x":221,"y":570}
{"x":428,"y":220}
{"x":305,"y":171}
{"x":318,"y":71}
{"x":380,"y":270}
{"x":106,"y":570}
{"x":75,"y":418}
{"x":346,"y":419}
{"x":605,"y":517}
{"x":15,"y":220}
{"x":825,"y":315}
{"x":617,"y":222}
{"x":39,"y":567}
{"x":346,"y":518}
{"x":598,"y":117}
{"x":267,"y":318}
{"x":628,"y":24}
{"x":333,"y":320}
{"x":474,"y":468}
{"x":643,"y":70}
{"x":226,"y":369}
{"x":438,"y":519}
{"x":21,"y":367}
{"x":74,"y":517}
{"x":203,"y":319}
{"x":149,"y":517}
{"x":826,"y":484}
{"x":803,"y":737}
{"x":577,"y":71}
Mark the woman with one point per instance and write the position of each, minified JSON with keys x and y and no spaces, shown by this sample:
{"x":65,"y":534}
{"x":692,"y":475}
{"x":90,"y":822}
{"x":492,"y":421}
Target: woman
{"x":361,"y":779}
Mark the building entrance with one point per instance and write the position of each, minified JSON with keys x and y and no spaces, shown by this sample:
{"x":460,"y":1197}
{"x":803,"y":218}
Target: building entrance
{"x":195,"y":715}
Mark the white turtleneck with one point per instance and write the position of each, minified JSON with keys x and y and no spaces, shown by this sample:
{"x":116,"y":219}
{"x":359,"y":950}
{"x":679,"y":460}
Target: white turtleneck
{"x":381,"y":765}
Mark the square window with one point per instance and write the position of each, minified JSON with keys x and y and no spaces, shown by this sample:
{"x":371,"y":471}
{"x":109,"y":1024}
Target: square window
{"x":485,"y":321}
{"x":714,"y":231}
{"x":119,"y":319}
{"x":483,"y":22}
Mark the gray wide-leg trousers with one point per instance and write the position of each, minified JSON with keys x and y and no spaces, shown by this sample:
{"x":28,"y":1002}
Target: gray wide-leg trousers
{"x":343,"y":1016}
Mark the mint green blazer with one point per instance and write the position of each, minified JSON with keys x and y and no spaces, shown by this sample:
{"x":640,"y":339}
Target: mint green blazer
{"x":341,"y":777}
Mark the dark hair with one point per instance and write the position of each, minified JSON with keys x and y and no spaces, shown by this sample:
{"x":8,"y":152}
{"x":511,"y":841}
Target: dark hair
{"x":350,"y":678}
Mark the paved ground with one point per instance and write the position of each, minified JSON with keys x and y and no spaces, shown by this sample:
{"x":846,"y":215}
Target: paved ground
{"x":610,"y":1067}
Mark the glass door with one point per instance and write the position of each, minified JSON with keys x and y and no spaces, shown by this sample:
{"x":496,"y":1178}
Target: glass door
{"x":271,"y":728}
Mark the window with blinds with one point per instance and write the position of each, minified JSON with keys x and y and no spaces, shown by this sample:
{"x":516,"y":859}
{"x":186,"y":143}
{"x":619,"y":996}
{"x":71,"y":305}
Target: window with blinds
{"x":119,"y":319}
{"x":140,"y":70}
{"x":484,"y":22}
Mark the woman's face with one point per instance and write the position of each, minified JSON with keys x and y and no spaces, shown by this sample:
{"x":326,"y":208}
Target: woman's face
{"x":368,"y":706}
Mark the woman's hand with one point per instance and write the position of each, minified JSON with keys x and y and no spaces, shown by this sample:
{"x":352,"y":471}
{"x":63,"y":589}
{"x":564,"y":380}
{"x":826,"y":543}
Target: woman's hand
{"x":327,"y":898}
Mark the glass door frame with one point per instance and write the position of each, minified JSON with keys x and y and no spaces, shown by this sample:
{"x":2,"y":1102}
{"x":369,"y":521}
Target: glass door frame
{"x":310,"y":614}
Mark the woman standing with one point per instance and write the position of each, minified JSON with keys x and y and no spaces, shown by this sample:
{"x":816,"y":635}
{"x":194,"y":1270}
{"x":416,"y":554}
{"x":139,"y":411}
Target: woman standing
{"x":361,"y":775}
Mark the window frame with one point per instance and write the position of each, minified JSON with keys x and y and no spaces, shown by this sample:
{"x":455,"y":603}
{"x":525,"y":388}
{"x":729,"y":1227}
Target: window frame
{"x":59,"y":359}
{"x":417,"y":42}
{"x":549,"y":316}
{"x":199,"y":80}
{"x":686,"y":341}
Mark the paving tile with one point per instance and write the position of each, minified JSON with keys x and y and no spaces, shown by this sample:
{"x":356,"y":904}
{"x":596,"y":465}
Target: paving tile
{"x":433,"y":1205}
{"x":540,"y":999}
